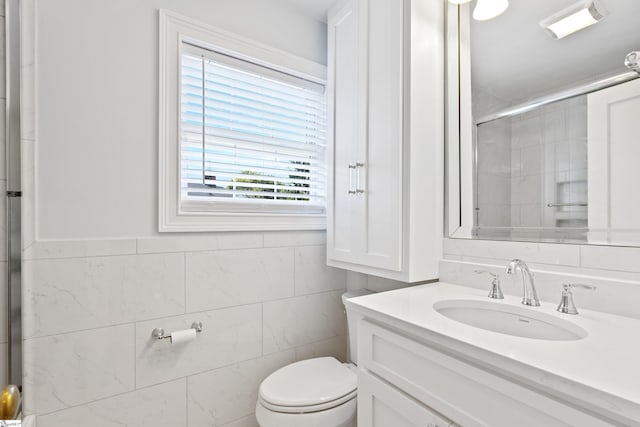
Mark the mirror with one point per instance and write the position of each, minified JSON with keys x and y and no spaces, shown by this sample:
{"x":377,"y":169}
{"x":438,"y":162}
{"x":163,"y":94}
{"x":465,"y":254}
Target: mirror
{"x":543,"y":145}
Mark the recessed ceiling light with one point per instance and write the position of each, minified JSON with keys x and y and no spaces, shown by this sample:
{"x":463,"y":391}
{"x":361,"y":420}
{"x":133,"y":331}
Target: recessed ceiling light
{"x":459,"y":1}
{"x":573,"y":19}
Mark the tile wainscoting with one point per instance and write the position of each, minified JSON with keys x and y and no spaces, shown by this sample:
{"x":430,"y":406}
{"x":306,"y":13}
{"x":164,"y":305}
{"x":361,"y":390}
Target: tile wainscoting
{"x":265,"y":300}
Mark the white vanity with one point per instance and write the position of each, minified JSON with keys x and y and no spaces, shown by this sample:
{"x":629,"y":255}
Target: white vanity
{"x":543,"y":368}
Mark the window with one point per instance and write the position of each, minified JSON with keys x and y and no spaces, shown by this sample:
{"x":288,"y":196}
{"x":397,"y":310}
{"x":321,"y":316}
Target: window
{"x":242,"y":132}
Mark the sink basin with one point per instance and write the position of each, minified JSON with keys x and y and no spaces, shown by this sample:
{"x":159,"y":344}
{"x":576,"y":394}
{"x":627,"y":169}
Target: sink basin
{"x":510,"y":320}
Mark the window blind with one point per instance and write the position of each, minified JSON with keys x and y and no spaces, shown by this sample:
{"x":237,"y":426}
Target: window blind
{"x":252,"y":138}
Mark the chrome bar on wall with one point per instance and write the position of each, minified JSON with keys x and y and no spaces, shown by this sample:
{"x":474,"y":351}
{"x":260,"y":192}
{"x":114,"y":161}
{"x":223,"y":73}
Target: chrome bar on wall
{"x":14,"y":193}
{"x":560,"y":205}
{"x":584,"y":89}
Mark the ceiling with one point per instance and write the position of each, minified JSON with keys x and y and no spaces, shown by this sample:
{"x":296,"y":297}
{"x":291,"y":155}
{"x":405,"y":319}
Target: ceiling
{"x":513,"y":59}
{"x":316,"y":9}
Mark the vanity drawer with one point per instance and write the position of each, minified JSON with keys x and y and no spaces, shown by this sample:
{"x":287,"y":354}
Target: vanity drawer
{"x":380,"y":404}
{"x":466,"y":394}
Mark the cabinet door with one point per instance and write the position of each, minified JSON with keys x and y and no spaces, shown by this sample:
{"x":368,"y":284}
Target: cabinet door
{"x":612,"y":159}
{"x":381,"y":405}
{"x":381,"y":156}
{"x":366,"y":53}
{"x":344,"y":208}
{"x":463,"y":391}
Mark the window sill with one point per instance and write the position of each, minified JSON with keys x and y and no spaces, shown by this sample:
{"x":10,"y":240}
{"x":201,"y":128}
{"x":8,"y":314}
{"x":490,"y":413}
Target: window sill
{"x":202,"y":222}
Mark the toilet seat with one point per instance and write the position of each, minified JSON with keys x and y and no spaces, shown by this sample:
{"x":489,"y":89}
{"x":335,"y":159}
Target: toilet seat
{"x":310,"y":408}
{"x":309,"y":386}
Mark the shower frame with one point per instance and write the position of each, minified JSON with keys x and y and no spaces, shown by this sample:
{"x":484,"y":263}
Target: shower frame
{"x":13,"y":192}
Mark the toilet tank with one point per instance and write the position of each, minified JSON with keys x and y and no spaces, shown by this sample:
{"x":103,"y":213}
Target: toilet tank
{"x":352,"y":323}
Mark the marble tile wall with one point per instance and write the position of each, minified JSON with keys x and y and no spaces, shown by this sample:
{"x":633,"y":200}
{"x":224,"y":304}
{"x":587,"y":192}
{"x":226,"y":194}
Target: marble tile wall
{"x":494,"y":173}
{"x":265,"y":300}
{"x":615,"y":271}
{"x":528,"y":161}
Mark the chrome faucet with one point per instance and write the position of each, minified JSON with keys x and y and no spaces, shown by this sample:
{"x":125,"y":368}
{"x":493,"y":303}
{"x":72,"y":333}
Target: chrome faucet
{"x":495,"y":292}
{"x":529,"y":297}
{"x":566,"y":303}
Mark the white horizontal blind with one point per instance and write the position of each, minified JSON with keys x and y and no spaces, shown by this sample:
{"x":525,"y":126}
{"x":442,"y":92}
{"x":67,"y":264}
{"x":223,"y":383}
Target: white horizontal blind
{"x":252,"y":138}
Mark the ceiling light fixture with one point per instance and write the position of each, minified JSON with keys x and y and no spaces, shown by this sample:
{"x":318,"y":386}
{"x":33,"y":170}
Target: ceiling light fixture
{"x":573,"y":19}
{"x":489,"y":9}
{"x":485,"y":9}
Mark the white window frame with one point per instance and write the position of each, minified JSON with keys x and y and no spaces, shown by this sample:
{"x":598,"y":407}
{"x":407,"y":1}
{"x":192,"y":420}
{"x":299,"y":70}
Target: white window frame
{"x":174,"y":30}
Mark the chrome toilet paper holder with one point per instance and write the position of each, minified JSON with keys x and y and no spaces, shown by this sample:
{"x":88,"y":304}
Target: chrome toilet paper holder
{"x":158,"y":333}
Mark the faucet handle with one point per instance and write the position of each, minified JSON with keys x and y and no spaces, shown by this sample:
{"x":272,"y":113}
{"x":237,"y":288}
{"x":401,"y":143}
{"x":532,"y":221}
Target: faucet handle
{"x":496,"y":292}
{"x":495,"y":276}
{"x":566,"y":302}
{"x":566,"y":287}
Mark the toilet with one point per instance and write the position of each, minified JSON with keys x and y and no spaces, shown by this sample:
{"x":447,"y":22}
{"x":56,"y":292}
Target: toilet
{"x":318,"y":392}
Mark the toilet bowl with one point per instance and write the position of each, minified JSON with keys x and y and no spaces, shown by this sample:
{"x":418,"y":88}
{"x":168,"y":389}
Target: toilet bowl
{"x":318,"y":392}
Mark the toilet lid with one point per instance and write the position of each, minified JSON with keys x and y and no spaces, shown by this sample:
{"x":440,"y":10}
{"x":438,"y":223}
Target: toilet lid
{"x":309,"y":382}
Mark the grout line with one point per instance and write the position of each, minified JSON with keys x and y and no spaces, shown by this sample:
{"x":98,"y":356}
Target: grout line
{"x":135,"y":357}
{"x":184,"y":282}
{"x":262,"y":329}
{"x":157,"y":253}
{"x":237,"y":362}
{"x":186,"y":400}
{"x":599,"y":273}
{"x":295,"y":277}
{"x":78,"y":331}
{"x":235,"y":420}
{"x":580,"y":256}
{"x":137,"y":250}
{"x":81,"y":257}
{"x":107,"y":397}
{"x":217,"y":368}
{"x":173,"y":316}
{"x":295,"y":348}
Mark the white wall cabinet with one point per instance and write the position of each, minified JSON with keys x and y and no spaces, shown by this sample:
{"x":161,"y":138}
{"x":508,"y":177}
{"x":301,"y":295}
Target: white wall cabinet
{"x":386,"y":134}
{"x":613,"y":155}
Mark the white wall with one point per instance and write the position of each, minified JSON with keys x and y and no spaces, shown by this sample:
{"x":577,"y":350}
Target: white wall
{"x":97,"y":82}
{"x":98,"y":277}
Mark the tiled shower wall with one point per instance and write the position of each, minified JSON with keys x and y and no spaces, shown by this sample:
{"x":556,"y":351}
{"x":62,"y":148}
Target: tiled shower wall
{"x":549,"y":165}
{"x":494,"y":174}
{"x":265,"y":300}
{"x":531,"y":160}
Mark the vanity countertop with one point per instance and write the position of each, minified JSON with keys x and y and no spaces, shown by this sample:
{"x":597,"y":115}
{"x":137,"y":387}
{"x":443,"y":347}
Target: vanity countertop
{"x":601,"y":370}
